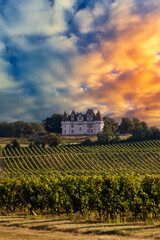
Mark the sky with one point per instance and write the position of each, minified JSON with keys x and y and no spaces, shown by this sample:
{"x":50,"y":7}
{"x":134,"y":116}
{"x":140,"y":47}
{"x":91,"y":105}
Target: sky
{"x":58,"y":55}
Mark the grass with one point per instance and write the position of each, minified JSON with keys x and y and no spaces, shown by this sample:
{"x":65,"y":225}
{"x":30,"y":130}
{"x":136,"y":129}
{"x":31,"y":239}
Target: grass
{"x":22,"y":227}
{"x":75,"y":139}
{"x":24,"y":142}
{"x":65,"y":140}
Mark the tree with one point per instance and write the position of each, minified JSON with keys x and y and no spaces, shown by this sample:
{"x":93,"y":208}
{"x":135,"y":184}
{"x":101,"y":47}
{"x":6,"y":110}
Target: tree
{"x":141,"y":130}
{"x":19,"y":129}
{"x":109,"y":131}
{"x":126,"y":126}
{"x":53,"y":123}
{"x":86,"y":142}
{"x":8,"y":145}
{"x":37,"y":143}
{"x":145,"y":126}
{"x":6,"y":130}
{"x":15,"y":143}
{"x":154,"y":133}
{"x":106,"y":135}
{"x":52,"y":140}
{"x":136,"y":121}
{"x":111,"y":123}
{"x":37,"y":126}
{"x":28,"y":129}
{"x":137,"y":133}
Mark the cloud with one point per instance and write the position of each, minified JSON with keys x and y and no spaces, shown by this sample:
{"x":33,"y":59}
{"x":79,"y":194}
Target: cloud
{"x":80,"y":54}
{"x":34,"y":17}
{"x":133,"y":55}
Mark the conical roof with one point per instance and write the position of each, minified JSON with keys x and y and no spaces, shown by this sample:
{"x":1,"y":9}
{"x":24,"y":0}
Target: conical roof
{"x":65,"y":117}
{"x":99,"y":116}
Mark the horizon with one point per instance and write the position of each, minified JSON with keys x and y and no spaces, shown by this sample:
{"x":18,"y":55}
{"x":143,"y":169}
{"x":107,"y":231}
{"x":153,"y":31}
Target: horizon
{"x":71,"y":54}
{"x":119,"y":120}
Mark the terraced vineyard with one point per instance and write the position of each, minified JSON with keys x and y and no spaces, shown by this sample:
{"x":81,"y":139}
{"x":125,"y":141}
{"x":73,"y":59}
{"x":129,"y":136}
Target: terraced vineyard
{"x":138,"y":157}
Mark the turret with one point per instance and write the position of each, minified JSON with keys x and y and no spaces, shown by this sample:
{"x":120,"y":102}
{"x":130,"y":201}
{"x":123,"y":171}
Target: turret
{"x":99,"y":116}
{"x":65,"y":117}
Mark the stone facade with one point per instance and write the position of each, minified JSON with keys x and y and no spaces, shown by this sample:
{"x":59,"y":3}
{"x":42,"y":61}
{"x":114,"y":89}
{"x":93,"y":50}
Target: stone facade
{"x":82,"y":124}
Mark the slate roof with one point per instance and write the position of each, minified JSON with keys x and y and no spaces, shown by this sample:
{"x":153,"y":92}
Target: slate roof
{"x":96,"y":117}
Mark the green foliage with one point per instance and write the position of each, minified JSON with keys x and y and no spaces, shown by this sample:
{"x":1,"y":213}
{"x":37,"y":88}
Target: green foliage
{"x":52,"y":140}
{"x":19,"y":129}
{"x":142,"y":131}
{"x":109,"y":131}
{"x":138,"y":157}
{"x":105,"y":137}
{"x":154,"y":133}
{"x":139,"y":130}
{"x":14,"y":144}
{"x":51,"y":187}
{"x":38,"y":127}
{"x":86,"y":142}
{"x":8,"y":146}
{"x":126,"y":126}
{"x":110,"y":196}
{"x":111,"y":123}
{"x":53,"y":123}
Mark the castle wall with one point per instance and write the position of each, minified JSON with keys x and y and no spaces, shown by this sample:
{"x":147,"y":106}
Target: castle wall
{"x":81,"y":128}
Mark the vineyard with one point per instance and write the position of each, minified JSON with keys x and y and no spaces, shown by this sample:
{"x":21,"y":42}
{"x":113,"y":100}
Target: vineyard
{"x":107,"y":196}
{"x":110,"y":180}
{"x":121,"y":158}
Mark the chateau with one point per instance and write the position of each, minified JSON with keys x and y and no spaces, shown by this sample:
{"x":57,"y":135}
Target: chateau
{"x":82,"y":124}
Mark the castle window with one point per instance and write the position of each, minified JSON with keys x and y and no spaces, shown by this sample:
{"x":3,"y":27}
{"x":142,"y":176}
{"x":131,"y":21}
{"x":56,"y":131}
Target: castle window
{"x":89,"y":125}
{"x":72,"y":131}
{"x":72,"y":125}
{"x":89,"y":117}
{"x":80,"y":129}
{"x":80,"y":118}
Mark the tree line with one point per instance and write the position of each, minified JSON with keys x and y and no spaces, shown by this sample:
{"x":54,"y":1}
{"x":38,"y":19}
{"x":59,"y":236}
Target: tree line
{"x":138,"y":130}
{"x":109,"y":134}
{"x":22,"y":129}
{"x":19,"y":129}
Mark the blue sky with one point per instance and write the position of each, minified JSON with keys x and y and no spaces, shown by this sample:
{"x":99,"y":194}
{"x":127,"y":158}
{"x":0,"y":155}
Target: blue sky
{"x":66,"y":54}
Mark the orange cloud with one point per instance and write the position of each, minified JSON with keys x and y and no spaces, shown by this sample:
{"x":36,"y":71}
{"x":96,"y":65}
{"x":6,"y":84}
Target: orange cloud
{"x":124,"y":75}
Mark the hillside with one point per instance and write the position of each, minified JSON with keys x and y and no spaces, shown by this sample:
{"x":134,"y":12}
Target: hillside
{"x":138,"y":157}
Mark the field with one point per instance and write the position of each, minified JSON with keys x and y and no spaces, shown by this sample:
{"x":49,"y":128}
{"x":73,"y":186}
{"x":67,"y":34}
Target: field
{"x":121,"y":158}
{"x":65,"y":140}
{"x":19,"y":227}
{"x":116,"y":188}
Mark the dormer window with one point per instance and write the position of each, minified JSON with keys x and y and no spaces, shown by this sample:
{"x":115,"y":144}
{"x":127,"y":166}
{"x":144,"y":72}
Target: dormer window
{"x":89,"y":117}
{"x":72,"y":118}
{"x":80,"y":118}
